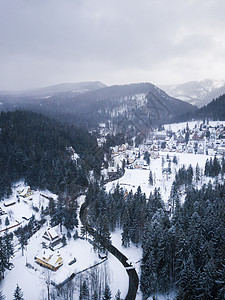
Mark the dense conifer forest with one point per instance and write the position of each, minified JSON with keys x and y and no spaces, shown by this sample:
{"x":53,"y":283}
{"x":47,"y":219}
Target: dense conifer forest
{"x":39,"y":150}
{"x":184,"y":248}
{"x":215,"y":110}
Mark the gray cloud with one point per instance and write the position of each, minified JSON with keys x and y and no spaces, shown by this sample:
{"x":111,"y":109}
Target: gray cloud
{"x":51,"y":41}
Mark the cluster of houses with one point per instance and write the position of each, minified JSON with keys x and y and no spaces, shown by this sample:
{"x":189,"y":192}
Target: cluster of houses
{"x":203,"y":139}
{"x":47,"y":257}
{"x":13,"y":217}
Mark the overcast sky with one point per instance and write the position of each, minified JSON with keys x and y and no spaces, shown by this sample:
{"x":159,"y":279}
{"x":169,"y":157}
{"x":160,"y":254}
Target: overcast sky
{"x":45,"y":42}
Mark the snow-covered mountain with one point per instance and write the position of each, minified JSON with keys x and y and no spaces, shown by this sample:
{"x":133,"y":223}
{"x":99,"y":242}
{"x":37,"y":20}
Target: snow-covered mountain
{"x":198,"y":93}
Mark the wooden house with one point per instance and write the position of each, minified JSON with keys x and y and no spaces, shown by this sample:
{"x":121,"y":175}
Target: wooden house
{"x":52,"y":237}
{"x":49,"y":259}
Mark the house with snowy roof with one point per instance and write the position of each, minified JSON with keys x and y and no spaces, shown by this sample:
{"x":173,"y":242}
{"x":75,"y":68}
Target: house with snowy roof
{"x":49,"y":259}
{"x":52,"y":236}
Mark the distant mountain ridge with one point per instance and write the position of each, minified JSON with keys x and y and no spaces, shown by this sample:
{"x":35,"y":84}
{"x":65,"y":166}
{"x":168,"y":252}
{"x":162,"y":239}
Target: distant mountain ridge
{"x":79,"y":87}
{"x":198,"y":93}
{"x":128,"y":109}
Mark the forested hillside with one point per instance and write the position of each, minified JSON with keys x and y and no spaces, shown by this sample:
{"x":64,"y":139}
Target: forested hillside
{"x":40,"y":150}
{"x":129,"y":108}
{"x":215,"y":110}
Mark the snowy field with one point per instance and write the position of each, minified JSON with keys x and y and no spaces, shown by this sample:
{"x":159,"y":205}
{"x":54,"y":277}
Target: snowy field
{"x":138,"y":177}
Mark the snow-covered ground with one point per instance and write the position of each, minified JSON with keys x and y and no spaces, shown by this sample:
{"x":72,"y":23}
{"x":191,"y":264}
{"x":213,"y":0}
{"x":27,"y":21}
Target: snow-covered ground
{"x":32,"y":279}
{"x":23,"y":209}
{"x":138,"y":177}
{"x":191,"y":124}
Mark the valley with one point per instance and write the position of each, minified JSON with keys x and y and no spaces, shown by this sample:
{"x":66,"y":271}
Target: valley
{"x":162,"y":154}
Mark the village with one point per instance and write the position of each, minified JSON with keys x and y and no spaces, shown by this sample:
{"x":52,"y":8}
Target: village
{"x":187,"y":138}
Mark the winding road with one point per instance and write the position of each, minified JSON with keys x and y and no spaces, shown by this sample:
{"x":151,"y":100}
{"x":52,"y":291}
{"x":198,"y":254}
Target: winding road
{"x":133,"y":277}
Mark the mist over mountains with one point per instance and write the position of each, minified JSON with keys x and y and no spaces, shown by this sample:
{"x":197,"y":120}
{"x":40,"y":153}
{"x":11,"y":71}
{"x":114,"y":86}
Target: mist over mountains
{"x":127,"y":109}
{"x":198,"y":93}
{"x":75,"y":88}
{"x":87,"y":104}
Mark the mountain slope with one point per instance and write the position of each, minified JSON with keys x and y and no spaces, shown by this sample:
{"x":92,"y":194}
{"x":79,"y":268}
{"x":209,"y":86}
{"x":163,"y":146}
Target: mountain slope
{"x":38,"y":150}
{"x":114,"y":103}
{"x":129,"y":110}
{"x":215,"y":110}
{"x":198,"y":93}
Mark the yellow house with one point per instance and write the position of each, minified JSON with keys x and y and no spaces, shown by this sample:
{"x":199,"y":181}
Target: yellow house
{"x":49,"y":259}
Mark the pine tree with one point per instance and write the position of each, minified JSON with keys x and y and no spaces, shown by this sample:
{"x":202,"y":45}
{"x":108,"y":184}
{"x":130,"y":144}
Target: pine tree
{"x":3,"y":258}
{"x":216,"y":166}
{"x":175,"y":160}
{"x":70,"y":217}
{"x":51,"y":207}
{"x":156,"y":258}
{"x":117,"y":296}
{"x":84,"y":292}
{"x":126,"y":236}
{"x":2,"y":297}
{"x":163,"y":162}
{"x":64,"y":242}
{"x":7,"y":221}
{"x":18,"y":294}
{"x":150,"y":179}
{"x":94,"y":296}
{"x":189,"y":174}
{"x":9,"y":249}
{"x":58,"y":216}
{"x":197,"y":173}
{"x":22,"y":239}
{"x":206,"y":168}
{"x":188,"y":280}
{"x":222,"y":167}
{"x":107,"y":293}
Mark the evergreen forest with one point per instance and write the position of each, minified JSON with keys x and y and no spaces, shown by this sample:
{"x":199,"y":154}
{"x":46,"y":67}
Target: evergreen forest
{"x":39,"y":150}
{"x":184,"y":248}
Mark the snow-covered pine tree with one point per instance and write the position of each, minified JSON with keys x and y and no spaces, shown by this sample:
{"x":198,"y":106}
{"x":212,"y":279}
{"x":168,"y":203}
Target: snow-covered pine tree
{"x":117,"y":296}
{"x":18,"y":294}
{"x":2,"y":297}
{"x":8,"y":243}
{"x":3,"y":258}
{"x":107,"y":293}
{"x":197,"y":173}
{"x":150,"y":179}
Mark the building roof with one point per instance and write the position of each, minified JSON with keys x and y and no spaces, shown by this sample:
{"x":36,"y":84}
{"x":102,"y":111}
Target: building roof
{"x":51,"y":258}
{"x":51,"y":234}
